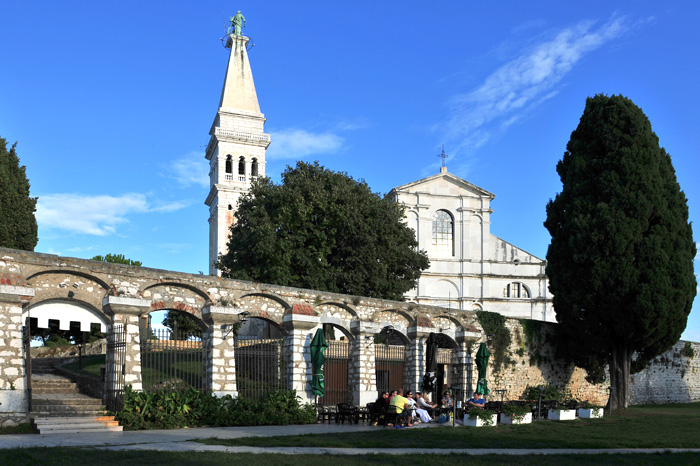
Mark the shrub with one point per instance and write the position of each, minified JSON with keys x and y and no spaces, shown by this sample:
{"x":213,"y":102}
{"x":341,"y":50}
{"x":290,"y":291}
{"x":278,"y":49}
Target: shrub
{"x":195,"y":408}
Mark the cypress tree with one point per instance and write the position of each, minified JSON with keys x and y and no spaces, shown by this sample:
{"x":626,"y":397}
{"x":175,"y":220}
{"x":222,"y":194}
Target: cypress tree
{"x":18,"y":229}
{"x":620,"y":263}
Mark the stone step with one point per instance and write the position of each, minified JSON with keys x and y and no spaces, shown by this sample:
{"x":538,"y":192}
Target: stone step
{"x":81,"y":424}
{"x":55,"y":389}
{"x":64,"y":411}
{"x":91,"y":402}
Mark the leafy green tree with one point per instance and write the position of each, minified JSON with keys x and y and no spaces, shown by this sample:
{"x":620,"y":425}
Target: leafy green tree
{"x":117,"y":259}
{"x":323,"y":230}
{"x":18,"y":229}
{"x":620,"y":264}
{"x":182,"y":325}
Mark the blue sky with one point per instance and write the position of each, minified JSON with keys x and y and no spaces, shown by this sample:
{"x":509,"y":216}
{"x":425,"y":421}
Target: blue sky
{"x":111,"y":104}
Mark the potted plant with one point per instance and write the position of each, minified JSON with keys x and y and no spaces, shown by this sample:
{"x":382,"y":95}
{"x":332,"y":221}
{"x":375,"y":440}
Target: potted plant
{"x":479,"y":417}
{"x":565,"y":412}
{"x":588,"y":410}
{"x":514,"y":414}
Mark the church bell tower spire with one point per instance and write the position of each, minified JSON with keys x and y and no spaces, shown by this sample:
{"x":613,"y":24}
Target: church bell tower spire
{"x":236,"y":150}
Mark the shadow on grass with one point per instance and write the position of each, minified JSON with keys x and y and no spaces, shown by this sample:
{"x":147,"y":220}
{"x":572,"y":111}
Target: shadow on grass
{"x":661,"y":426}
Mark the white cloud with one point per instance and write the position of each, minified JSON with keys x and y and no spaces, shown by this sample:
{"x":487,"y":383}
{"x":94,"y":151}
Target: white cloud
{"x":298,"y":143}
{"x":523,"y":83}
{"x":93,"y":215}
{"x":190,"y":169}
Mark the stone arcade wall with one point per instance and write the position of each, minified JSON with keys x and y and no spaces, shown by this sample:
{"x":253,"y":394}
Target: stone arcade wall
{"x":126,"y":294}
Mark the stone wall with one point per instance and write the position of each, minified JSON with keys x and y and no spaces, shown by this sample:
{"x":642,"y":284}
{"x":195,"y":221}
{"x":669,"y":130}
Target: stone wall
{"x":673,"y":377}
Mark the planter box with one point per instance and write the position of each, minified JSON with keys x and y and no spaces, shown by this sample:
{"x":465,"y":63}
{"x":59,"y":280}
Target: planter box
{"x":476,"y":422}
{"x":590,"y":413}
{"x":561,"y":414}
{"x":505,"y":419}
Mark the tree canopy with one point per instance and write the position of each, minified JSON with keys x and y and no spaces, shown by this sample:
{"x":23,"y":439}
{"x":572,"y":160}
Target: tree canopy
{"x":323,"y":230}
{"x":117,"y":259}
{"x":620,"y":263}
{"x":18,"y":228}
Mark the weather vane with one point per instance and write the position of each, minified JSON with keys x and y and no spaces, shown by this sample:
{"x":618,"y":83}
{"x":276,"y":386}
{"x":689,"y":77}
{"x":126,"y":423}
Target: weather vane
{"x":443,"y":156}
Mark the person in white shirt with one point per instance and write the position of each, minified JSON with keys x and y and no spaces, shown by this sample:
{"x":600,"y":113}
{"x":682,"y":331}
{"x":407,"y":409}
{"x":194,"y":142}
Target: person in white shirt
{"x":424,"y":416}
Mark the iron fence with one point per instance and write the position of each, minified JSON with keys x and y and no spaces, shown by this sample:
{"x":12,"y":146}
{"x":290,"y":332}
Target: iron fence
{"x":389,"y":362}
{"x":172,"y":360}
{"x":335,"y":374}
{"x":260,"y":367}
{"x":114,"y":368}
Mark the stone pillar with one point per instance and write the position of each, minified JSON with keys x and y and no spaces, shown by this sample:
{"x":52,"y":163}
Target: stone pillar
{"x":466,"y":339}
{"x":362,"y":376}
{"x":128,"y":311}
{"x":297,"y":353}
{"x":414,"y":362}
{"x":220,"y":363}
{"x":14,"y":396}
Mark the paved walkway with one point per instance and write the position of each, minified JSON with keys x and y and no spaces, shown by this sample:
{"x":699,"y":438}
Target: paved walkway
{"x":181,"y":440}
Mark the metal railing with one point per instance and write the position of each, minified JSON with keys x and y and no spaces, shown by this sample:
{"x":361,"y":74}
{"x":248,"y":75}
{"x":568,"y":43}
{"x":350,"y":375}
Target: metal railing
{"x":114,"y":368}
{"x":260,"y":367}
{"x":389,"y":363}
{"x":335,"y":374}
{"x":172,"y":360}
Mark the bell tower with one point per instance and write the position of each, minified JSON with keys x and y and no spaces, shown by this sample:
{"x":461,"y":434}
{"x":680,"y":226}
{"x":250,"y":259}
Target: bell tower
{"x":236,"y":150}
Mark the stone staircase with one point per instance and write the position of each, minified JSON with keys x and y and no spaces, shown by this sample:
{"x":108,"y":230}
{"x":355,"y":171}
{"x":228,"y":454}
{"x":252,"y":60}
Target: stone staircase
{"x":58,"y":406}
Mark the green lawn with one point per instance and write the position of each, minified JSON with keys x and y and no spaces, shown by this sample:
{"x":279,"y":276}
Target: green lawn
{"x":74,"y":456}
{"x":91,"y":365}
{"x":659,"y":426}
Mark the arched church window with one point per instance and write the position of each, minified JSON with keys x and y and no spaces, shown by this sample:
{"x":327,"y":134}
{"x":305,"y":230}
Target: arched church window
{"x":443,"y":234}
{"x":516,"y":290}
{"x":229,"y":165}
{"x":241,"y":165}
{"x":254,"y":168}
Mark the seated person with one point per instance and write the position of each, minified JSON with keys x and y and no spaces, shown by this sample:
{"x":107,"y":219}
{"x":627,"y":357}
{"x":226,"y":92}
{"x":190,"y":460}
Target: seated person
{"x":392,"y":395}
{"x":446,"y":400}
{"x":476,"y":401}
{"x":380,"y":406}
{"x":422,"y":403}
{"x":415,"y":410}
{"x":402,"y":407}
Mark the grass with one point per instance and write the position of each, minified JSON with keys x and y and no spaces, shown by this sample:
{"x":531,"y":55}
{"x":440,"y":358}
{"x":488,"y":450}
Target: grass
{"x":25,"y":428}
{"x":658,"y":426}
{"x":73,"y":456}
{"x":91,"y":365}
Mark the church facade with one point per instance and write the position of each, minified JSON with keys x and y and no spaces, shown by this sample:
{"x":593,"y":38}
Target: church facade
{"x":471,"y":269}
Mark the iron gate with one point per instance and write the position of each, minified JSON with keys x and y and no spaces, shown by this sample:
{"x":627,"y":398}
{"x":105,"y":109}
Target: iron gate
{"x":389,"y":361}
{"x":114,"y":367}
{"x":260,"y":367}
{"x":335,"y":374}
{"x":172,"y":360}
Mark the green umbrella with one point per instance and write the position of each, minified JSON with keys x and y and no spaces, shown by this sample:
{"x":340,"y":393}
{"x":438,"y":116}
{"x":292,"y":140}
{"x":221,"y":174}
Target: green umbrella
{"x":318,"y":359}
{"x":482,"y":360}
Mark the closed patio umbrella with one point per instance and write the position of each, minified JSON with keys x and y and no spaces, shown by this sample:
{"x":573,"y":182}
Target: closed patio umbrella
{"x":431,"y":348}
{"x":318,"y":359}
{"x":482,"y":361}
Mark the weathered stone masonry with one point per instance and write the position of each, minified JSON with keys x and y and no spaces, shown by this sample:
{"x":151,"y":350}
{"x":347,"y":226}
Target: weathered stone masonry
{"x":121,"y":294}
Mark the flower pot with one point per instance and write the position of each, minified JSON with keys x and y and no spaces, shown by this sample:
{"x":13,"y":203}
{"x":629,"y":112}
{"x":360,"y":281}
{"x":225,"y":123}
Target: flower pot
{"x":561,"y":414}
{"x":505,"y":419}
{"x":590,"y":413}
{"x":477,"y":422}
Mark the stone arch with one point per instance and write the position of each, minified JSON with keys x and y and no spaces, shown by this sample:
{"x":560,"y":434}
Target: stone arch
{"x":266,"y":306}
{"x":197,"y":318}
{"x":266,"y":321}
{"x":178,"y":297}
{"x":339,"y":315}
{"x":69,"y":285}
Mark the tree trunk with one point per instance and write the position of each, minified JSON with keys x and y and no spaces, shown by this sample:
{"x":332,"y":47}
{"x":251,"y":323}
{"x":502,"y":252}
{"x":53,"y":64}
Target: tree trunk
{"x":620,"y":363}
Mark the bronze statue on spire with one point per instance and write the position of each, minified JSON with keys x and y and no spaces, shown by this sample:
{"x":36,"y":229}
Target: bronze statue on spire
{"x":237,"y":23}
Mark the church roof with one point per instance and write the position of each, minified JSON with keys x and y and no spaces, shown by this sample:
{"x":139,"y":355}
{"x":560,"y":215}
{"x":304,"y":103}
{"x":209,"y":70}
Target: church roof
{"x":446,"y":177}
